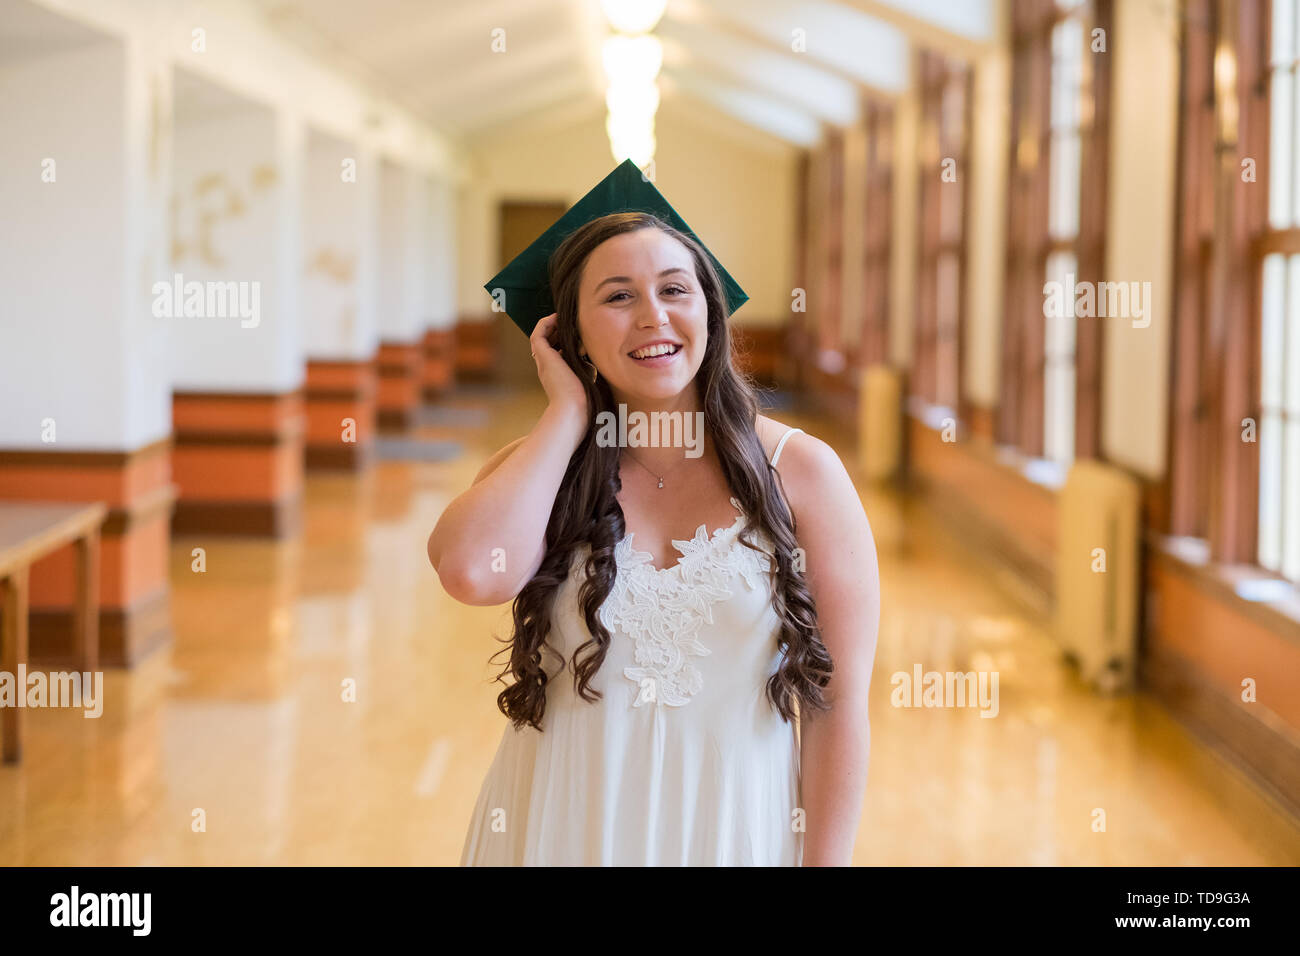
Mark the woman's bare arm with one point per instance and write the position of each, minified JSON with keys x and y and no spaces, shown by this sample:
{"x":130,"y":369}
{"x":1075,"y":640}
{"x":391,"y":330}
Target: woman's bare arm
{"x":490,"y":540}
{"x":844,"y":579}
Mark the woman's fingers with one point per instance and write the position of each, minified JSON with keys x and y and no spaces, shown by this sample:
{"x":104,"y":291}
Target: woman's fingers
{"x":540,"y":337}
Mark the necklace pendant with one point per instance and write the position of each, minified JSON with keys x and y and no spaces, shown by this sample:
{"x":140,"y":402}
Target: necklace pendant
{"x":661,"y":482}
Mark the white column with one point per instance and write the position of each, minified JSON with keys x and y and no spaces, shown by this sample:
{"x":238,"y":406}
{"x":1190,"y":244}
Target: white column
{"x":290,"y":160}
{"x":368,"y":172}
{"x":83,"y":195}
{"x":338,"y":324}
{"x":986,"y":229}
{"x":396,"y":268}
{"x":476,"y":238}
{"x":441,"y":264}
{"x":416,"y":232}
{"x":236,"y":323}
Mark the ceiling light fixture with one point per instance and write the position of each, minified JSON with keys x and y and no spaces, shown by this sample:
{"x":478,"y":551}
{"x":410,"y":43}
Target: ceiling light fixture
{"x":632,"y":58}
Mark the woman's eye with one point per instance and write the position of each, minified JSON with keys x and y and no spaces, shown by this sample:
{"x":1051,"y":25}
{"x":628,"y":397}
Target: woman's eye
{"x":672,"y":288}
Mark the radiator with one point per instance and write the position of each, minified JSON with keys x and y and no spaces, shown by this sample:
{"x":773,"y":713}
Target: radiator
{"x":880,"y":422}
{"x":1096,"y":609}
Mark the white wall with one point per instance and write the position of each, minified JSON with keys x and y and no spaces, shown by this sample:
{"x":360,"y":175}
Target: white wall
{"x":246,"y":56}
{"x":79,"y":258}
{"x":441,"y":270}
{"x":368,"y":256}
{"x":476,"y":236}
{"x":148,"y":151}
{"x":250,"y":233}
{"x":1140,"y":232}
{"x":332,"y":234}
{"x":416,"y":251}
{"x":986,"y":229}
{"x":71,"y":346}
{"x":400,"y":296}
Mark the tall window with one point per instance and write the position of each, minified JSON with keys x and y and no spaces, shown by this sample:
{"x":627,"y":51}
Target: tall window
{"x":1062,"y":233}
{"x":815,"y":334}
{"x":1279,"y":356}
{"x":1056,"y":226}
{"x":1235,"y":418}
{"x":945,"y":87}
{"x":873,"y":342}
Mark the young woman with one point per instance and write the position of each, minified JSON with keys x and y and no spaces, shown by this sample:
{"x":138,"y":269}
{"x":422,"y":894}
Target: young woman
{"x":693,"y":633}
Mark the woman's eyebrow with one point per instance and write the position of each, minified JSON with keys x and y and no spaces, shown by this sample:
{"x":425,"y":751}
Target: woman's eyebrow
{"x":666,"y":272}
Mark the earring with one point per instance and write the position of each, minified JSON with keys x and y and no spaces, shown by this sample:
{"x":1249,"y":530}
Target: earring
{"x":595,"y":373}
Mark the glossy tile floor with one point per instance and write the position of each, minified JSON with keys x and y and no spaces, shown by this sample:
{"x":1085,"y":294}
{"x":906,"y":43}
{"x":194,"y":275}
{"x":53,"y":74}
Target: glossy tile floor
{"x":240,"y":743}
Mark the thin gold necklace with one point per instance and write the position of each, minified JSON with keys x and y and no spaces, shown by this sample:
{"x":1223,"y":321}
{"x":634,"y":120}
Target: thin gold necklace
{"x":646,"y":467}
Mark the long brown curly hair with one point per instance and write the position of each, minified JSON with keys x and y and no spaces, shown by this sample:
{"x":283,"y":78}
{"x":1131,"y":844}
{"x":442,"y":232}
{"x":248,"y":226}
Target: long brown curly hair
{"x":588,"y":511}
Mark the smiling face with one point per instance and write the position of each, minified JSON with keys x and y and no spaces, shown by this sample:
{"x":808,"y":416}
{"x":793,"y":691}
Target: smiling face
{"x":640,"y":288}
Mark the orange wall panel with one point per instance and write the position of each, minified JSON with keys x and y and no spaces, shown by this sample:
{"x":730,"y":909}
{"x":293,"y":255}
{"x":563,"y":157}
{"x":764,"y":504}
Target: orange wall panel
{"x":235,"y":414}
{"x":1225,"y":644}
{"x":399,"y":392}
{"x":237,"y":472}
{"x":358,"y":375}
{"x":325,"y":420}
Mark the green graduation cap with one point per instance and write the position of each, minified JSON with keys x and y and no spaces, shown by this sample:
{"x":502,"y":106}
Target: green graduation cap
{"x":526,"y":281}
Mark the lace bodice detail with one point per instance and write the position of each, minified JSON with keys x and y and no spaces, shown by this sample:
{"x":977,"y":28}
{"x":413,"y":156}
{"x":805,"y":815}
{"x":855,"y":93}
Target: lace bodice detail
{"x":663,"y":609}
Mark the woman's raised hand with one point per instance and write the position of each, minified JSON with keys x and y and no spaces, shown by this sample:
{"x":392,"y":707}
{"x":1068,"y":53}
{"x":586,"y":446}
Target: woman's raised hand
{"x":563,"y":388}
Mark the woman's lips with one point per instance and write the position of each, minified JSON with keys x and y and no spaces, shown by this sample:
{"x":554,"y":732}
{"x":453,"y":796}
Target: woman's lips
{"x":658,"y":360}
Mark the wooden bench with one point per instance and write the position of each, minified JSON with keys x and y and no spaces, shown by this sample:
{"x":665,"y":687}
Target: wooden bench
{"x":29,"y":532}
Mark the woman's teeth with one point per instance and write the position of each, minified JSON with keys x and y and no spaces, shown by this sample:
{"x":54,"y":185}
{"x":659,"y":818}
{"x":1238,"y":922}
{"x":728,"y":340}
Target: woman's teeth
{"x":655,"y":351}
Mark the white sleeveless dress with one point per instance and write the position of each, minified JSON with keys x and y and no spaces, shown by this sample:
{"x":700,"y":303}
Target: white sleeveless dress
{"x":683,"y":761}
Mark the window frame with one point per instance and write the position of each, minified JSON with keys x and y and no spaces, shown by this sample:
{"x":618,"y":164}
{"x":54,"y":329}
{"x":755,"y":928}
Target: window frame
{"x":938,"y":356}
{"x":1020,"y":420}
{"x":878,"y":215}
{"x":1214,"y":475}
{"x":831,"y":306}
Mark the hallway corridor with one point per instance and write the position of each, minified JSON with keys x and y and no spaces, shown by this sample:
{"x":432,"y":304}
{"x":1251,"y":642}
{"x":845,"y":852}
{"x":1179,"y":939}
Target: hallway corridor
{"x":245,"y":716}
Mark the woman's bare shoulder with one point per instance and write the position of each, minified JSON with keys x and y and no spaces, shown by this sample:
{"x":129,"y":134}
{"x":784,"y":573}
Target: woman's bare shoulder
{"x":811,"y":470}
{"x":770,"y":432}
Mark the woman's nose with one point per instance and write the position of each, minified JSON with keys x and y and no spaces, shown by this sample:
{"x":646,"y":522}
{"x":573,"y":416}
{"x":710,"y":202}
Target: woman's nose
{"x":654,"y":315}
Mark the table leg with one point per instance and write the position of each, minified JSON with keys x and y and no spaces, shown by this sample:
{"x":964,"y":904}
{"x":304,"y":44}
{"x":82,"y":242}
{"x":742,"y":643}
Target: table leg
{"x":13,"y":652}
{"x":85,"y":608}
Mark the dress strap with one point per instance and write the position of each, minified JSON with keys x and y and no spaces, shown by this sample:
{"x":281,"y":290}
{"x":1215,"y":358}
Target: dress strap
{"x":781,"y":444}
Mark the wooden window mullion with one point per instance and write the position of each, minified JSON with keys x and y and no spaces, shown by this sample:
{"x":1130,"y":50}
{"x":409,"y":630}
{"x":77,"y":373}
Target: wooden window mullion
{"x":1034,"y":354}
{"x":1188,"y":448}
{"x":1234,"y":322}
{"x":877,"y":230}
{"x":1093,"y":193}
{"x":945,"y":88}
{"x":1010,"y":385}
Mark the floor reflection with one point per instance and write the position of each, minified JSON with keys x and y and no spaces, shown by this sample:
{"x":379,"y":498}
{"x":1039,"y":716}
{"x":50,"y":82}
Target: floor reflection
{"x":324,"y":702}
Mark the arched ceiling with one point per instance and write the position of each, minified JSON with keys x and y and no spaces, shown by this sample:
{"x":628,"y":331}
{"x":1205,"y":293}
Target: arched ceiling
{"x":733,"y":56}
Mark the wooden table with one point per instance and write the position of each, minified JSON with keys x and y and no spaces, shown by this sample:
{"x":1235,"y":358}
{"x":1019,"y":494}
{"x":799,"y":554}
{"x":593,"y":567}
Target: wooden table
{"x":28,"y":532}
